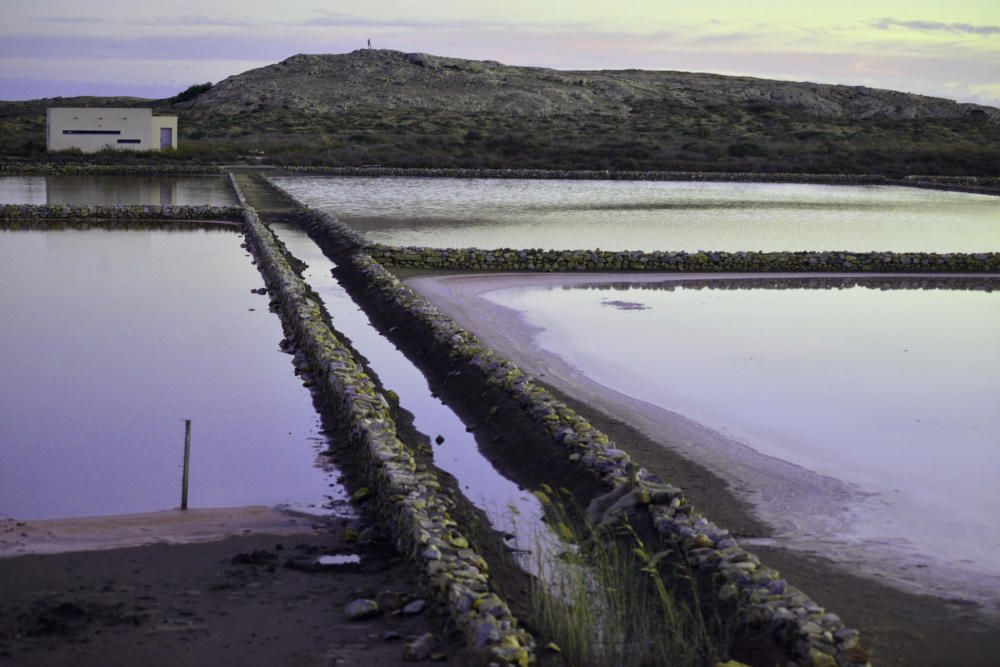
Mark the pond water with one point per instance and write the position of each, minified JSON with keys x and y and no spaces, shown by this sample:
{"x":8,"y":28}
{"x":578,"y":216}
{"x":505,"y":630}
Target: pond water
{"x":861,"y":421}
{"x":509,"y":508}
{"x":110,"y":340}
{"x":637,"y":215}
{"x":117,"y":189}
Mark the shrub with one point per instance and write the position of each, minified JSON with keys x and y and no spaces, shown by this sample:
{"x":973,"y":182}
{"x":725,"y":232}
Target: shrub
{"x":191,"y":92}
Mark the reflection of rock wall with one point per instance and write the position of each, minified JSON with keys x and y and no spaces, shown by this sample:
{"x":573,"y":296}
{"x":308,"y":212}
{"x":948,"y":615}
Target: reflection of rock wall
{"x":772,"y":611}
{"x":508,"y":259}
{"x":409,"y":498}
{"x":985,"y":283}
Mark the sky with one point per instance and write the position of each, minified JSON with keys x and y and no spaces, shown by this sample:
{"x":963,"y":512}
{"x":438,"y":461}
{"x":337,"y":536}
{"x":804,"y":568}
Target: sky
{"x":155,"y":49}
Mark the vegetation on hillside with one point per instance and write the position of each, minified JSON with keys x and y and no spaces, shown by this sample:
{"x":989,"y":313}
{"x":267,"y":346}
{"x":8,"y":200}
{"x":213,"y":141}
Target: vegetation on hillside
{"x":760,"y":140}
{"x":411,"y":110}
{"x":190,"y":92}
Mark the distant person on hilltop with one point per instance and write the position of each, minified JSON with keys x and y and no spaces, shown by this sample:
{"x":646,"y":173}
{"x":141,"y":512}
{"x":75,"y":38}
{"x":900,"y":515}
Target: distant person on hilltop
{"x":369,"y":43}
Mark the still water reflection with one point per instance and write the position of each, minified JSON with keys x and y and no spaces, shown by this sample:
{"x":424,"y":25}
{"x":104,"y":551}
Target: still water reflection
{"x":889,"y":391}
{"x":116,"y":189}
{"x":627,"y":215}
{"x":110,"y":339}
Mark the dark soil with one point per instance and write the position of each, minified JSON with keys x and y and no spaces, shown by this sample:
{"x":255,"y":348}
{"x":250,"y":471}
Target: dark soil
{"x":254,"y":600}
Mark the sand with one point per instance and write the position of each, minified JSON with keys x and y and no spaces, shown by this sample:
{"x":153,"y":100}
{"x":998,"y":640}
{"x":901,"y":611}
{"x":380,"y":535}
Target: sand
{"x":56,"y":536}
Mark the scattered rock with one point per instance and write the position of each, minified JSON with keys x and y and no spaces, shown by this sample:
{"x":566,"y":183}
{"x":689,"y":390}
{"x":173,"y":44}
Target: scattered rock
{"x":420,"y":648}
{"x":362,"y":609}
{"x":414,"y":607}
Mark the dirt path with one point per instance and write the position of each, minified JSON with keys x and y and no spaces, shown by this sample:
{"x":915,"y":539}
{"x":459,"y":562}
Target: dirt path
{"x":260,"y":599}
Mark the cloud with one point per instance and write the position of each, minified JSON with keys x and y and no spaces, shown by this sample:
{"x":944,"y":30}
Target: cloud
{"x":70,"y":19}
{"x":936,"y":26}
{"x":198,"y":20}
{"x":725,"y":38}
{"x":178,"y":21}
{"x":337,"y":20}
{"x":348,"y":21}
{"x":154,"y":47}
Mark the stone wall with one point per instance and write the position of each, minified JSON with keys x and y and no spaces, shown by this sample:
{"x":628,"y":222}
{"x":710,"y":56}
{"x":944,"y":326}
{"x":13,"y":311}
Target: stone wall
{"x":508,"y":259}
{"x":973,"y":184}
{"x":410,"y":501}
{"x":582,"y":174}
{"x":133,"y":212}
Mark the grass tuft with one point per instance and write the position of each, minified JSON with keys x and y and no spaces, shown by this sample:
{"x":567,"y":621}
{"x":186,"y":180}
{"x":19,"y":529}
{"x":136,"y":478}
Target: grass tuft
{"x":604,"y":600}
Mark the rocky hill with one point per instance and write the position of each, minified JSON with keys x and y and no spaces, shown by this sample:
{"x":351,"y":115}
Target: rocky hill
{"x":418,"y":110}
{"x":394,"y":80}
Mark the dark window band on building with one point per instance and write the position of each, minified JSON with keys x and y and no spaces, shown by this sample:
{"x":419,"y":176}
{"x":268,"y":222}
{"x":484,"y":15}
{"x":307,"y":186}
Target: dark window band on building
{"x":130,"y":141}
{"x":92,"y":131}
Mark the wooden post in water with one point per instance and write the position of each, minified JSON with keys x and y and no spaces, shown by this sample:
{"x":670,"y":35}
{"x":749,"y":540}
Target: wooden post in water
{"x":187,"y":463}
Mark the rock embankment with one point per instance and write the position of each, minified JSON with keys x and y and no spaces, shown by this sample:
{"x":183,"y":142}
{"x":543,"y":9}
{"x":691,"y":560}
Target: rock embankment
{"x":78,"y":213}
{"x":613,"y":175}
{"x":93,"y":169}
{"x":987,"y":185}
{"x":511,"y":259}
{"x":771,"y":609}
{"x":410,"y":501}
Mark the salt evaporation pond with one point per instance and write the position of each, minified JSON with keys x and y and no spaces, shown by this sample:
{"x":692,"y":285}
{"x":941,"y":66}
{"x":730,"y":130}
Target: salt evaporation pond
{"x":110,"y":339}
{"x":862,"y":422}
{"x":111,"y":189}
{"x":651,"y":215}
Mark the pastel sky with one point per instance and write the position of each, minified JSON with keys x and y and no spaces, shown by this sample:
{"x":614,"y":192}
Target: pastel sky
{"x":155,"y":49}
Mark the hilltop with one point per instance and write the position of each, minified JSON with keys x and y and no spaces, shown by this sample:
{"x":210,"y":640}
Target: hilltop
{"x":414,"y":109}
{"x":395,"y":80}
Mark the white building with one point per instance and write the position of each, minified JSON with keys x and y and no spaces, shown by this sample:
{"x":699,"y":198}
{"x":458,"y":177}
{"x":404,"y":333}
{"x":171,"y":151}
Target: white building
{"x":91,"y":130}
